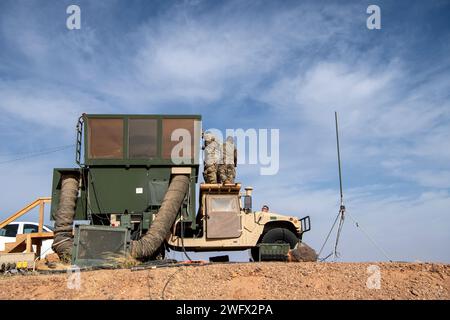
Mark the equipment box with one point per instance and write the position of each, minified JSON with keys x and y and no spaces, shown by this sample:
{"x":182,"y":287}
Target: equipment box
{"x":99,"y":245}
{"x":273,"y":251}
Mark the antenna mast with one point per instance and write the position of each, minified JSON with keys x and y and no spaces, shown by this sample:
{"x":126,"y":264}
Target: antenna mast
{"x":339,"y":158}
{"x":342,"y":206}
{"x":342,"y":213}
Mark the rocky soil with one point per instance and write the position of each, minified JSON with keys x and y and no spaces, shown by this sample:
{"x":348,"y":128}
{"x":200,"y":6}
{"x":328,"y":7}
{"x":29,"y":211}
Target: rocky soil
{"x":267,"y":280}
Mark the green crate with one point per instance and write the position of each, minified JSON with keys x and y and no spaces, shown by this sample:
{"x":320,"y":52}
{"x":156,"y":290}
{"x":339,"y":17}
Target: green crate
{"x":100,"y":245}
{"x":273,"y":251}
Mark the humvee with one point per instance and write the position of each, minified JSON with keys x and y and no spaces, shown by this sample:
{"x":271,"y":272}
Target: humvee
{"x":227,"y":222}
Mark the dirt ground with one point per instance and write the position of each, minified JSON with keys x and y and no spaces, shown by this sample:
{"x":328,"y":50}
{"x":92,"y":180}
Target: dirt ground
{"x":269,"y":280}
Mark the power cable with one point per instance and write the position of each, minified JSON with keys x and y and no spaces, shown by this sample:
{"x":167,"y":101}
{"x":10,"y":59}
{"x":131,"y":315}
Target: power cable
{"x":35,"y":151}
{"x":182,"y":240}
{"x":168,"y":281}
{"x":182,"y":223}
{"x":37,"y":154}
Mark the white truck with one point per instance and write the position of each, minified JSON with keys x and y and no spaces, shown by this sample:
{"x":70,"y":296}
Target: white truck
{"x":9,"y":232}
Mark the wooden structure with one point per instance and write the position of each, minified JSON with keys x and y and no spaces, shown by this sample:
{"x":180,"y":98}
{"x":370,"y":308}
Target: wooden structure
{"x":25,"y":242}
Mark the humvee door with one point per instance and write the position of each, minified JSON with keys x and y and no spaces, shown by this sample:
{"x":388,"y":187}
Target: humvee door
{"x":223,"y":217}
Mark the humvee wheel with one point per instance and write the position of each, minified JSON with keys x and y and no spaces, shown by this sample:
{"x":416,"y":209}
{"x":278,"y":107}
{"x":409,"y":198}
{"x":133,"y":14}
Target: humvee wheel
{"x":276,"y":235}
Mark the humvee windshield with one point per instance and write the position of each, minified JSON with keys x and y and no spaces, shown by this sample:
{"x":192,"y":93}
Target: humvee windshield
{"x":223,"y":204}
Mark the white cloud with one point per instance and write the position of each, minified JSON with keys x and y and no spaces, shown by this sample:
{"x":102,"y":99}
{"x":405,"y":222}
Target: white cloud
{"x":48,"y":106}
{"x":430,"y":178}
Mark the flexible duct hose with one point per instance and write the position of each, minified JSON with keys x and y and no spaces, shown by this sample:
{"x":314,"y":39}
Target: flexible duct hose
{"x":148,"y":245}
{"x":63,"y":241}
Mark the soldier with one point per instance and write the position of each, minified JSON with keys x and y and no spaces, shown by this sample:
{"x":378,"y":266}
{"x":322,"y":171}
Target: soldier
{"x":211,"y":158}
{"x":227,"y":171}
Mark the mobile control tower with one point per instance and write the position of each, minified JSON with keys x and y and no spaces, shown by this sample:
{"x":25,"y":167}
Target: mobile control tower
{"x":135,"y":187}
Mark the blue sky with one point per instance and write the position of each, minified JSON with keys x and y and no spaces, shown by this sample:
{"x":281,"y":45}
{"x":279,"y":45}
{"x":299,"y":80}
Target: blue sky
{"x":252,"y":64}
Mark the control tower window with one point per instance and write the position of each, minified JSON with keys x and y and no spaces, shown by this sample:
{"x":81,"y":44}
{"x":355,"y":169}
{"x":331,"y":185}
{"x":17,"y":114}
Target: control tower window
{"x":175,"y":129}
{"x":142,"y":135}
{"x":105,"y":138}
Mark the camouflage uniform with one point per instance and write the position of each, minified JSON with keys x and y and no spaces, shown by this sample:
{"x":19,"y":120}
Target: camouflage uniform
{"x":227,"y":171}
{"x":212,"y":157}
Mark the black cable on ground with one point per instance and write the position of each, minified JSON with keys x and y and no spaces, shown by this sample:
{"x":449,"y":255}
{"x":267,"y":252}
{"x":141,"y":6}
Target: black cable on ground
{"x":167,"y":283}
{"x":81,"y":269}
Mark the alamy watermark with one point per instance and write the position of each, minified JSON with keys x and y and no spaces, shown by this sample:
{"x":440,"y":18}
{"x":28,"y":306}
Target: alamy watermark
{"x":254,"y":147}
{"x":374,"y":20}
{"x":374,"y":279}
{"x":74,"y":278}
{"x":73,"y":21}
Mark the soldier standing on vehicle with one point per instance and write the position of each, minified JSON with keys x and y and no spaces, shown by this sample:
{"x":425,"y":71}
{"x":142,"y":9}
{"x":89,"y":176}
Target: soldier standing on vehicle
{"x":212,"y":155}
{"x":227,"y":171}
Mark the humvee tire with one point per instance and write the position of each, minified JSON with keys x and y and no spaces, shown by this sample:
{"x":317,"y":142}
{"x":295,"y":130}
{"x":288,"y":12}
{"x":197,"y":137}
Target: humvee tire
{"x":280,"y":235}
